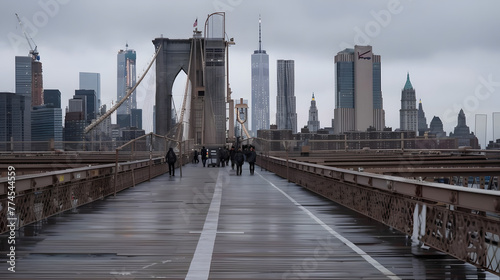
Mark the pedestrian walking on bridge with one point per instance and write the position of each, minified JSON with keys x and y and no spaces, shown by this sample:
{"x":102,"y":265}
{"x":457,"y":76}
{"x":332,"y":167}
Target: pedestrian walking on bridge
{"x":240,"y":159}
{"x":251,"y":158}
{"x":171,"y":158}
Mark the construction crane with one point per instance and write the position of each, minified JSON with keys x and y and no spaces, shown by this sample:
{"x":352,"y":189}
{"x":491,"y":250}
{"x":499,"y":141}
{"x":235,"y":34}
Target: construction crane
{"x":33,"y":51}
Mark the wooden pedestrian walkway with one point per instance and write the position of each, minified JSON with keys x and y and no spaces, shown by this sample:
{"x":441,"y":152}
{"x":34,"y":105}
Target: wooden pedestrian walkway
{"x":212,"y":224}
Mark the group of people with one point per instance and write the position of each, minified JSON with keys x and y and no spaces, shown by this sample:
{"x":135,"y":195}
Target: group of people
{"x":237,"y":158}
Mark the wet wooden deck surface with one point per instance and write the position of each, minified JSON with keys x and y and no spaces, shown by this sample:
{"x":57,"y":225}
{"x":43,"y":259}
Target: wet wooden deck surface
{"x":212,"y":224}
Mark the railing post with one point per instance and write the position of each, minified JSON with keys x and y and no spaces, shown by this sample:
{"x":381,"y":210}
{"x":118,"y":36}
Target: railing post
{"x":150,"y":155}
{"x":116,"y":170}
{"x":286,"y":149}
{"x":180,"y":158}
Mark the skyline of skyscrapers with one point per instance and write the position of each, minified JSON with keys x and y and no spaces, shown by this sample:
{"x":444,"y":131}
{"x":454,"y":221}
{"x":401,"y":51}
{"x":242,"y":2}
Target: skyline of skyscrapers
{"x":408,"y":113}
{"x":260,"y":88}
{"x":358,"y":93}
{"x":286,"y":114}
{"x":364,"y":66}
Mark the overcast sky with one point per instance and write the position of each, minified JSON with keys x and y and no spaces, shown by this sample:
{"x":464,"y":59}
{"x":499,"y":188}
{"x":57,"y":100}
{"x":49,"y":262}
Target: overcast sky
{"x":450,"y":48}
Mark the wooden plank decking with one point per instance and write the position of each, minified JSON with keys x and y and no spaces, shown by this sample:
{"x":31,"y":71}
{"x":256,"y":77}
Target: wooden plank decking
{"x":254,"y":227}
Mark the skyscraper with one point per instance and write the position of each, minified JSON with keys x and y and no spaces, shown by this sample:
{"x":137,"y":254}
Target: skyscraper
{"x":126,"y":80}
{"x":24,"y":87}
{"x":313,"y":122}
{"x":46,"y":122}
{"x":14,"y":119}
{"x":358,"y":93}
{"x":422,"y":121}
{"x":436,"y":128}
{"x":29,"y":81}
{"x":46,"y":125}
{"x":90,"y":103}
{"x":286,"y":114}
{"x":136,"y":118}
{"x":463,"y":134}
{"x":408,"y":111}
{"x":52,"y":98}
{"x":260,"y":88}
{"x":92,"y":81}
{"x":74,"y":123}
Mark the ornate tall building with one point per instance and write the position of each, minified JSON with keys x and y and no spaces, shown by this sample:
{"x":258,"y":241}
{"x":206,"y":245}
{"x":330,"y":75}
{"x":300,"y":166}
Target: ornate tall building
{"x":358,"y":93}
{"x":313,"y":122}
{"x":260,"y":88}
{"x":408,"y":112}
{"x":286,"y":114}
{"x":463,"y":134}
{"x":422,"y":120}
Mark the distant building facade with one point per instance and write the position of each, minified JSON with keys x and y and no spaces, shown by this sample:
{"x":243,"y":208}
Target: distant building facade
{"x":92,"y":81}
{"x":15,"y":122}
{"x":29,"y":79}
{"x":463,"y":134}
{"x":313,"y":122}
{"x":275,"y":134}
{"x":260,"y":91}
{"x":46,"y":128}
{"x":422,"y":121}
{"x":358,"y":91}
{"x":136,"y":118}
{"x":90,"y":103}
{"x":52,"y":98}
{"x":286,"y":114}
{"x":126,"y":80}
{"x":74,"y":125}
{"x":436,"y":128}
{"x":260,"y":88}
{"x":408,"y":114}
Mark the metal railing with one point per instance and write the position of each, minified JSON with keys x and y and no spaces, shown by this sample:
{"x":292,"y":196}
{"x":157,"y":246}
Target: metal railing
{"x":43,"y":195}
{"x":459,"y":221}
{"x":37,"y":196}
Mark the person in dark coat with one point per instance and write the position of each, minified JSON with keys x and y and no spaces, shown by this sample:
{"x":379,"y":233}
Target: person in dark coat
{"x":220,"y":155}
{"x":226,"y":156}
{"x":232,"y":153}
{"x":195,"y":157}
{"x":203,"y":156}
{"x":171,"y":159}
{"x":251,"y":158}
{"x":240,"y":159}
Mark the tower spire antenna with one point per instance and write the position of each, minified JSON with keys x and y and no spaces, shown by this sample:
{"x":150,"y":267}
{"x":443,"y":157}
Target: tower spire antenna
{"x":260,"y":41}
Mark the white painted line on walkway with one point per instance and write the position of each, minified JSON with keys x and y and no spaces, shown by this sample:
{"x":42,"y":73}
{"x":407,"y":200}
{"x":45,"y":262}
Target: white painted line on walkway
{"x":337,"y":235}
{"x":202,"y":259}
{"x":220,"y":232}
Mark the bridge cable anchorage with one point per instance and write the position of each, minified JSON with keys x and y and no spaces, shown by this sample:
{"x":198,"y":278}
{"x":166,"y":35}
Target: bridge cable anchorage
{"x":118,"y":104}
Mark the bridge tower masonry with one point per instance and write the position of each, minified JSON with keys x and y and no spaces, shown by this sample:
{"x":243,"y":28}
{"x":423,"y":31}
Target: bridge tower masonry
{"x":203,"y":59}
